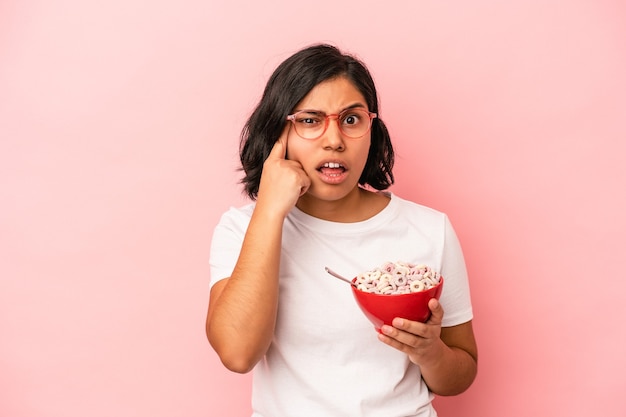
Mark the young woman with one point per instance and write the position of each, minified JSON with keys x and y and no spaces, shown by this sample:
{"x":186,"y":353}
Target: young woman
{"x":317,"y":158}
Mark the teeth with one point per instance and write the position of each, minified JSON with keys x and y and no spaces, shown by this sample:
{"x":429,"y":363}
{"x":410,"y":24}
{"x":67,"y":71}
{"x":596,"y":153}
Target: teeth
{"x":332,"y":165}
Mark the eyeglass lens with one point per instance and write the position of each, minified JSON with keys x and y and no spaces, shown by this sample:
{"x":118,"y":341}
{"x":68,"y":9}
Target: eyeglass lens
{"x":353,"y":123}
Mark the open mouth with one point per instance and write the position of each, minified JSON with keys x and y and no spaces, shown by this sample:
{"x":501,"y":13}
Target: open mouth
{"x":332,"y":168}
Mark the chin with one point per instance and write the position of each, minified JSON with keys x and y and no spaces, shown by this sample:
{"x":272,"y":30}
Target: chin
{"x":332,"y":192}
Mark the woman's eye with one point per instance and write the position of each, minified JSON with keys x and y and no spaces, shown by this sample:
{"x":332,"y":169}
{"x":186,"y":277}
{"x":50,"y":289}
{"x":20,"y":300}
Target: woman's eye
{"x":351,"y":119}
{"x":308,"y":120}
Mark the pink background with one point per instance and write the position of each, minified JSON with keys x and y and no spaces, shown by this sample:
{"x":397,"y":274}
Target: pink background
{"x":119,"y":128}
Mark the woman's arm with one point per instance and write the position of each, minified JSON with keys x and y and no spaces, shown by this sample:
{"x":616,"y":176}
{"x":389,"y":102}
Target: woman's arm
{"x":455,"y":369}
{"x":242,"y":308}
{"x":447,"y":357}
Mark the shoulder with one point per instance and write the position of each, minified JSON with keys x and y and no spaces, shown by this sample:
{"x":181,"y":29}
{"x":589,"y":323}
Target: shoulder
{"x":235,"y":219}
{"x":412,"y":208}
{"x":427,"y":220}
{"x":238,"y":214}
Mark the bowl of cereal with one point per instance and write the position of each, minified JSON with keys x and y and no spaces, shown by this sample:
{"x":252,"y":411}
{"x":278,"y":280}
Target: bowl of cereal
{"x":397,"y":289}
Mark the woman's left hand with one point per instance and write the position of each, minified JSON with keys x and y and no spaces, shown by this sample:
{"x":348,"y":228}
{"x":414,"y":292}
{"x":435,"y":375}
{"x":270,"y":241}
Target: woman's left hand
{"x":447,"y":357}
{"x":420,"y":341}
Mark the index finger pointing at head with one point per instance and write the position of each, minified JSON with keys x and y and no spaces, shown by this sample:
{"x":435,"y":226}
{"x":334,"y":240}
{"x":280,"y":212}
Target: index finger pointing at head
{"x":279,"y":150}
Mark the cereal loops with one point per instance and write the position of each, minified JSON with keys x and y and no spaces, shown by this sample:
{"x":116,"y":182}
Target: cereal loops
{"x":397,"y":278}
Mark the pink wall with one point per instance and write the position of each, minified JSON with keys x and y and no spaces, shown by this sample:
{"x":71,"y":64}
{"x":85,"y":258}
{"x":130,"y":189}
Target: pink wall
{"x":118,"y":145}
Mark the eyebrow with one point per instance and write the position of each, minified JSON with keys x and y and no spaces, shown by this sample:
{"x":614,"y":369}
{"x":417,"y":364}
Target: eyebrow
{"x":352,"y":106}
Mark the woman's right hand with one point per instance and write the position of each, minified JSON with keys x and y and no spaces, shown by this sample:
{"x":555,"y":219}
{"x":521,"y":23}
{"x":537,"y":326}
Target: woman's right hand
{"x":283,"y":181}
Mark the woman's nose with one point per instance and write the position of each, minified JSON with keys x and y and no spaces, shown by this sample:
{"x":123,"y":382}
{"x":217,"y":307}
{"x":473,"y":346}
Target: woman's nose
{"x":333,"y":137}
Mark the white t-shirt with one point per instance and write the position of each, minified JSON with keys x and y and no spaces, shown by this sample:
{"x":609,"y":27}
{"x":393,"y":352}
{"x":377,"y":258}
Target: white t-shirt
{"x":325,"y":358}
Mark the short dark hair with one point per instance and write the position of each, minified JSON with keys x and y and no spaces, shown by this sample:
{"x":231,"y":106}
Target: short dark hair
{"x":292,"y":80}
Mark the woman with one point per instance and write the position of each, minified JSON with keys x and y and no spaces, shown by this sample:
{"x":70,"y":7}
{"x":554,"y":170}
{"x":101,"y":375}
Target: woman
{"x":317,"y":157}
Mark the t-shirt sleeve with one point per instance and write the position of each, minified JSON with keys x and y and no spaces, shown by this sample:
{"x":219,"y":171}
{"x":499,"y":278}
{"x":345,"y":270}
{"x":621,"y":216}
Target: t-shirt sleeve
{"x":455,"y":298}
{"x":226,"y":244}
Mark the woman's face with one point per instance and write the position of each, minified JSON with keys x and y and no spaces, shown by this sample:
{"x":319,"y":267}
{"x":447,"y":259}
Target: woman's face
{"x":333,"y":162}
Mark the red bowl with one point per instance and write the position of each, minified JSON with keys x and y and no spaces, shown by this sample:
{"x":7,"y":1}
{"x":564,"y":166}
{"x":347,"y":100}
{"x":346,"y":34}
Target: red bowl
{"x":383,"y":308}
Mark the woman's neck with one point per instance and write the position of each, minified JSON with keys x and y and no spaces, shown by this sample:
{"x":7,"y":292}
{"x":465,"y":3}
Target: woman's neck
{"x":358,"y":205}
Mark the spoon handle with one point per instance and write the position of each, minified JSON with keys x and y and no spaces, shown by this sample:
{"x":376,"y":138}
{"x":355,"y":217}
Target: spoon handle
{"x":336,"y":275}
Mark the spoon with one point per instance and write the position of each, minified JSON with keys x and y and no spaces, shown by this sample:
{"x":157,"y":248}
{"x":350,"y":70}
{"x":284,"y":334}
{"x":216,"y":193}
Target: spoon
{"x":336,"y":275}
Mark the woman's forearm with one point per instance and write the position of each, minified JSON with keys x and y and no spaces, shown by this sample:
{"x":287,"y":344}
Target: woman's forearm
{"x":242,"y":312}
{"x":452,"y":373}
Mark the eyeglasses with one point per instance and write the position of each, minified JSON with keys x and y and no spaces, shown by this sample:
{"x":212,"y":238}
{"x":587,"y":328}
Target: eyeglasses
{"x":311,"y":124}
